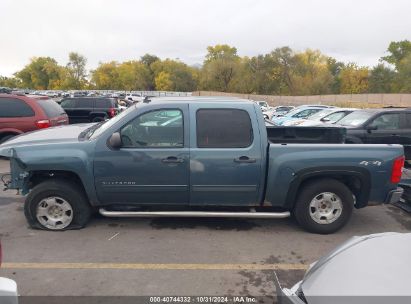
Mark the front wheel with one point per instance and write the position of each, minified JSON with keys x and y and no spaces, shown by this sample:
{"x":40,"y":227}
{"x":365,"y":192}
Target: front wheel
{"x":324,"y":206}
{"x":57,"y":205}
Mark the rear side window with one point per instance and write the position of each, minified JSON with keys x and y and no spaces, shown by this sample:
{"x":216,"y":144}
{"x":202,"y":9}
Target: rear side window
{"x":387,"y":122}
{"x":68,"y":103}
{"x":223,"y":128}
{"x":104,"y":103}
{"x":51,"y":108}
{"x":12,"y":107}
{"x":85,"y":103}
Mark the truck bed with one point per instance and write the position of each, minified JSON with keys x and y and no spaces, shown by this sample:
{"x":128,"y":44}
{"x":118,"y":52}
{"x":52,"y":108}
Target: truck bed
{"x":305,"y":135}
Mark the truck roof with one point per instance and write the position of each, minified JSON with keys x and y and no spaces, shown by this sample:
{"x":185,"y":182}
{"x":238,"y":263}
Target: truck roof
{"x":205,"y":99}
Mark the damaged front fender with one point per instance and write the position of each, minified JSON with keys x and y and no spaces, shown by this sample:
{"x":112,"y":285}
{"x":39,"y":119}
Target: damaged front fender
{"x":18,"y":176}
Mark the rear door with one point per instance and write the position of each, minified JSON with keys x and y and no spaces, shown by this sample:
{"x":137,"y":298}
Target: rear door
{"x":225,"y":155}
{"x":84,"y":107}
{"x":16,"y":114}
{"x":387,"y":130}
{"x":69,"y":106}
{"x":405,"y":135}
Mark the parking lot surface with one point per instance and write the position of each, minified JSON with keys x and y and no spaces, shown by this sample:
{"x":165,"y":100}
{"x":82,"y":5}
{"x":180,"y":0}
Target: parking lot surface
{"x":151,"y":257}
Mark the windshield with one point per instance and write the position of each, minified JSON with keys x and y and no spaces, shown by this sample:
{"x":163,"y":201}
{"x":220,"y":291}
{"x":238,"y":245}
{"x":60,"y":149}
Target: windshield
{"x":355,"y":119}
{"x":108,"y":123}
{"x":321,"y":114}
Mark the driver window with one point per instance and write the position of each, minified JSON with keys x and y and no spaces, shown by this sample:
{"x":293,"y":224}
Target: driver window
{"x":157,"y":129}
{"x":387,"y":122}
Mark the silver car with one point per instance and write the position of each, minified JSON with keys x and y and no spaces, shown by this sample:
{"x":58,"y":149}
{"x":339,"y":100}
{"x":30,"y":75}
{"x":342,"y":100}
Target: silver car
{"x":374,"y":268}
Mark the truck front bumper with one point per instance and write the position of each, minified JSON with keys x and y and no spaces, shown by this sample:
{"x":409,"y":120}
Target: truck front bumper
{"x":394,"y":196}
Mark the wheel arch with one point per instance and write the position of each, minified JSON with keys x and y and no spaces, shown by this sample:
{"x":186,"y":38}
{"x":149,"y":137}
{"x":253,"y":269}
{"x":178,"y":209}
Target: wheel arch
{"x":37,"y":177}
{"x":358,"y":180}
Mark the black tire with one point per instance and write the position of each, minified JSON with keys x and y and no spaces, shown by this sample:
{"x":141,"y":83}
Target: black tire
{"x":98,"y":119}
{"x":70,"y":192}
{"x":311,"y":190}
{"x":6,"y":138}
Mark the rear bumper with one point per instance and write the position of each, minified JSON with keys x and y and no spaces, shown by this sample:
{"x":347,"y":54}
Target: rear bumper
{"x":394,"y":196}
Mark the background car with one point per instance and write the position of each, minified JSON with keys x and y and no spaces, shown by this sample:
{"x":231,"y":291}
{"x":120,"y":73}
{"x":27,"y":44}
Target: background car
{"x":89,"y":109}
{"x":134,"y":97}
{"x":277,"y":111}
{"x":366,"y":269}
{"x":379,"y":126}
{"x":19,"y":114}
{"x":297,"y":113}
{"x":332,"y":115}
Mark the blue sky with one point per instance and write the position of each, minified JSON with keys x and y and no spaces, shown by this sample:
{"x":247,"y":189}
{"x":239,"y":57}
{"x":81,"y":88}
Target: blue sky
{"x":349,"y":30}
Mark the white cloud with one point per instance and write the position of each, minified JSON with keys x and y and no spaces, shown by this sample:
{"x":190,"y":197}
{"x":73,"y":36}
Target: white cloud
{"x":350,"y":30}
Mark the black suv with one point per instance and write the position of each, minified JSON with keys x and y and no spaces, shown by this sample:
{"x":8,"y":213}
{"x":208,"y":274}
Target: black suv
{"x":89,"y":109}
{"x":379,"y":126}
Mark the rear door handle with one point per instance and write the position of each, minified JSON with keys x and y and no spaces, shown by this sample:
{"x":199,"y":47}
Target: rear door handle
{"x":244,"y":159}
{"x":172,"y":159}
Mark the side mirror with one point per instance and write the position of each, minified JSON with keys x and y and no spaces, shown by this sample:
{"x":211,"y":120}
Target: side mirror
{"x":115,"y":141}
{"x":325,"y":119}
{"x":371,"y":128}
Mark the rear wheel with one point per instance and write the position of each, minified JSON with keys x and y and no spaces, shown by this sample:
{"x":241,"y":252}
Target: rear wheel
{"x":98,"y":119}
{"x":57,"y":205}
{"x":324,"y":206}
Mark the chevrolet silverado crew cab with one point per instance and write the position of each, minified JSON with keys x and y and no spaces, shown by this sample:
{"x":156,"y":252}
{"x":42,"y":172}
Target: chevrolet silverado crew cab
{"x":192,"y":157}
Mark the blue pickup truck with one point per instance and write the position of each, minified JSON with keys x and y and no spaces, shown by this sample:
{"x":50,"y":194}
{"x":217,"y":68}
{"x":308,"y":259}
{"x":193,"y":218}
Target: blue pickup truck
{"x":194,"y":157}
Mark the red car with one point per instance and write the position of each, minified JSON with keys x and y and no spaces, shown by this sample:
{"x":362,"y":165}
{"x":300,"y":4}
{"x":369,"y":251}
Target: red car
{"x":20,"y":113}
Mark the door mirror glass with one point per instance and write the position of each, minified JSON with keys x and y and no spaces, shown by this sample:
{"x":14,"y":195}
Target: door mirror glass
{"x":115,"y":141}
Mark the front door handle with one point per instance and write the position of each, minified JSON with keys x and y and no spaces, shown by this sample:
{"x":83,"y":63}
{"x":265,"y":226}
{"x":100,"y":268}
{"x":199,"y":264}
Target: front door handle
{"x":395,"y":135}
{"x":244,"y":159}
{"x":172,"y":160}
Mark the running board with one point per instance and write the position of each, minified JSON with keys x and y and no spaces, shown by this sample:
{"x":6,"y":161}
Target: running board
{"x":258,"y":215}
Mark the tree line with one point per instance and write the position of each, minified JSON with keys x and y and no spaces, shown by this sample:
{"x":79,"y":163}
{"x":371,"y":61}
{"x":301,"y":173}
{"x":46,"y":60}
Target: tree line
{"x":280,"y":72}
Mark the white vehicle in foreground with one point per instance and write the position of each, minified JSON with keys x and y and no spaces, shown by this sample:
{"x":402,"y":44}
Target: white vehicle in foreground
{"x":8,"y":289}
{"x":329,"y":116}
{"x":366,"y":269}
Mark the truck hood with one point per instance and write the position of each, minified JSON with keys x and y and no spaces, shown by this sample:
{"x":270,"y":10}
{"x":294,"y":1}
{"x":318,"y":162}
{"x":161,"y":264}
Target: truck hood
{"x":61,"y":134}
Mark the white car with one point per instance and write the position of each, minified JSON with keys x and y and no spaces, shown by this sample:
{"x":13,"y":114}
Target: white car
{"x":8,"y":289}
{"x":134,"y":97}
{"x":365,"y":269}
{"x":331,"y":115}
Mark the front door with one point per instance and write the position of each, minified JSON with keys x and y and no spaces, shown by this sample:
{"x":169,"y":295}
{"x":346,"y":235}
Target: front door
{"x":152,"y":167}
{"x":226,"y":156}
{"x":384,"y":129}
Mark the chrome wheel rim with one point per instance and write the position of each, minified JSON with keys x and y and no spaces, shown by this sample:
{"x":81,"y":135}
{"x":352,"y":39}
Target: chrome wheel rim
{"x":54,"y":213}
{"x":325,"y":208}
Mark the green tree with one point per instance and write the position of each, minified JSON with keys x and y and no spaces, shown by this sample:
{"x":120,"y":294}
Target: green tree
{"x":403,"y":78}
{"x":10,"y":82}
{"x":381,"y":79}
{"x":76,"y":72}
{"x":148,"y":60}
{"x":163,"y":82}
{"x":41,"y":73}
{"x":181,"y":76}
{"x":106,"y":76}
{"x":354,"y":79}
{"x":220,"y":67}
{"x":134,"y":75}
{"x":311,"y":74}
{"x":397,"y":50}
